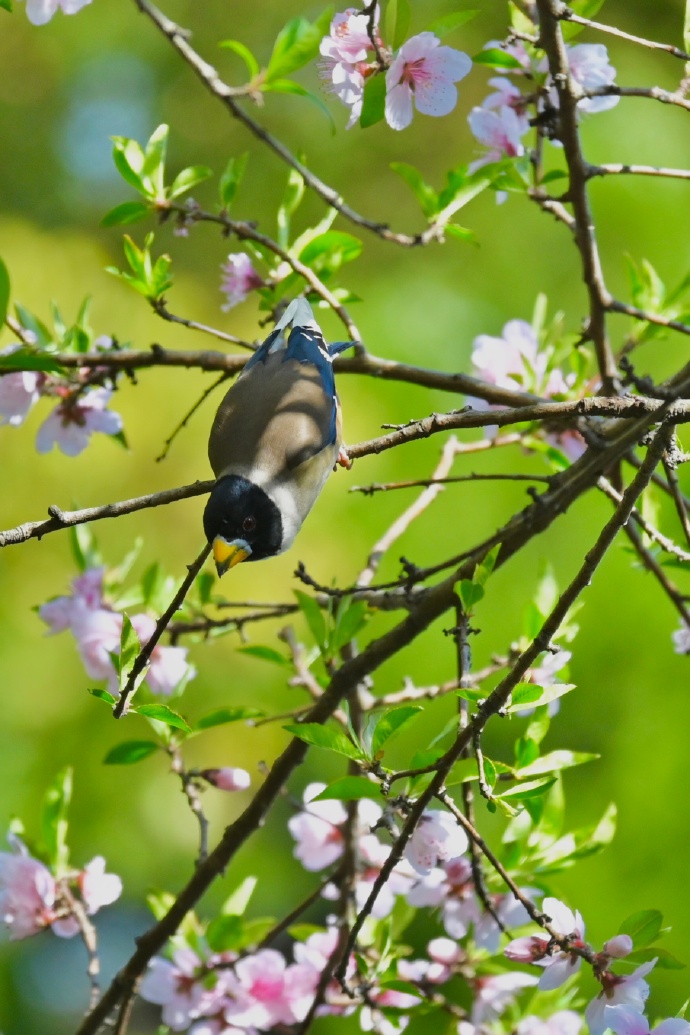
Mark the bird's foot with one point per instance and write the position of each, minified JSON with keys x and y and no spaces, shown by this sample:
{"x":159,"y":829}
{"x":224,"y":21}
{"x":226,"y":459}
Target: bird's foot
{"x":343,"y":459}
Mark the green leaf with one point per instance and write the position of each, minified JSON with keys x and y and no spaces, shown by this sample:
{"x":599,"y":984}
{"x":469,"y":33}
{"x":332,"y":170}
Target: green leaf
{"x":224,"y":933}
{"x":153,"y":168}
{"x":129,"y":161}
{"x":496,"y":58}
{"x":237,"y":901}
{"x":461,"y":233}
{"x":296,"y":45}
{"x":23,"y":359}
{"x":350,"y":788}
{"x":54,"y":820}
{"x":554,"y":762}
{"x":665,"y":960}
{"x":162,"y":713}
{"x":231,"y":178}
{"x":531,"y":789}
{"x":102,"y":695}
{"x":314,"y":616}
{"x":390,"y":723}
{"x":398,"y":15}
{"x":32,"y":323}
{"x":686,"y":27}
{"x":290,"y":86}
{"x":84,"y":547}
{"x":329,"y":251}
{"x":470,"y":594}
{"x":4,"y":287}
{"x":484,"y":569}
{"x":472,"y":694}
{"x":586,"y":9}
{"x":374,"y":101}
{"x":188,"y":178}
{"x":325,"y":737}
{"x":130,"y":648}
{"x":294,"y":192}
{"x":130,"y":751}
{"x":128,"y":212}
{"x":6,"y":5}
{"x":224,"y":715}
{"x":425,"y":194}
{"x":443,"y":26}
{"x":643,"y":927}
{"x":265,"y":654}
{"x":351,"y":617}
{"x":243,"y":52}
{"x":523,"y":695}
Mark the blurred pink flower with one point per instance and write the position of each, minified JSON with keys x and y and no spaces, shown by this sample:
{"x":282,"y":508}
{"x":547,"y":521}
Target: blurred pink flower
{"x":495,"y":993}
{"x":97,"y":887}
{"x":168,"y":665}
{"x":60,"y":613}
{"x":18,"y":393}
{"x":317,"y":830}
{"x":591,"y":69}
{"x":558,"y":965}
{"x":239,"y":278}
{"x":27,"y":894}
{"x":437,"y":839}
{"x":681,"y":639}
{"x":625,"y":1020}
{"x":563,"y":1022}
{"x":425,"y":71}
{"x":175,"y":987}
{"x":346,"y":52}
{"x":265,"y":991}
{"x":227,"y":778}
{"x":41,"y":11}
{"x":71,"y":424}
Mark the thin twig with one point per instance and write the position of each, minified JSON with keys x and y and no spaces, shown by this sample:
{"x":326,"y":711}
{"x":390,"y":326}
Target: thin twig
{"x":566,"y":14}
{"x":160,"y":308}
{"x":652,"y":565}
{"x":652,"y":93}
{"x":190,"y":790}
{"x":654,"y":534}
{"x":369,"y":490}
{"x":678,"y":498}
{"x":188,"y":416}
{"x":144,"y":655}
{"x":614,"y":306}
{"x":620,"y":168}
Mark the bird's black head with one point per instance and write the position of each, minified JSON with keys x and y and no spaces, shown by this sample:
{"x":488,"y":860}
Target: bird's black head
{"x":241,"y":522}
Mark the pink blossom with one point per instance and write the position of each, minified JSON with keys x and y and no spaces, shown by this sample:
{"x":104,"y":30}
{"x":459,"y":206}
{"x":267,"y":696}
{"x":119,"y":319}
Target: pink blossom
{"x":60,"y":613}
{"x":559,"y":965}
{"x":266,"y":991}
{"x":500,"y":123}
{"x":175,"y":987}
{"x":98,"y":634}
{"x":516,"y":49}
{"x":625,"y":1020}
{"x":27,"y":894}
{"x":18,"y":393}
{"x":681,"y":639}
{"x":563,"y":1022}
{"x":41,"y":11}
{"x":618,"y":990}
{"x":97,"y":887}
{"x":425,"y":71}
{"x":228,"y":778}
{"x":437,"y":838}
{"x":495,"y":993}
{"x":316,"y":830}
{"x":510,"y":911}
{"x":451,"y":887}
{"x":239,"y":278}
{"x":444,"y":953}
{"x":72,"y":423}
{"x":168,"y":665}
{"x":591,"y":69}
{"x":619,"y":947}
{"x":346,"y":52}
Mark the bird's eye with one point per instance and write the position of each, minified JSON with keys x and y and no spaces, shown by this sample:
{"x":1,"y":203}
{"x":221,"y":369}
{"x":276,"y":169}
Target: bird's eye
{"x":249,"y":524}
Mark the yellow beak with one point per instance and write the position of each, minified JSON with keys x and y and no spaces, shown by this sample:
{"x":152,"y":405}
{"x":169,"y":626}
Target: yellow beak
{"x":228,"y":554}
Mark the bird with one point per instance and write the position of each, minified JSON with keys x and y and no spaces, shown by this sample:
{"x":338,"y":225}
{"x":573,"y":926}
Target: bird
{"x":274,"y":440}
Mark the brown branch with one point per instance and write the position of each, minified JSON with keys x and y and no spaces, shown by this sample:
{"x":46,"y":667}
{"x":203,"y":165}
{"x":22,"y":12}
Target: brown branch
{"x":652,"y":93}
{"x":569,"y":94}
{"x":678,"y":498}
{"x":614,"y":306}
{"x":566,"y":14}
{"x":190,"y":790}
{"x":144,"y":655}
{"x":654,"y":534}
{"x":618,"y":168}
{"x":160,"y":309}
{"x":370,"y":490}
{"x":651,"y":564}
{"x":188,"y":416}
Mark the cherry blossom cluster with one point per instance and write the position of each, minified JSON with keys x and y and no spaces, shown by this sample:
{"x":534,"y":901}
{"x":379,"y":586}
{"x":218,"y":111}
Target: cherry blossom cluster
{"x":502,"y":120}
{"x":422,"y":73}
{"x":517,"y":361}
{"x":97,"y":628}
{"x":82,"y":410}
{"x":32,"y":898}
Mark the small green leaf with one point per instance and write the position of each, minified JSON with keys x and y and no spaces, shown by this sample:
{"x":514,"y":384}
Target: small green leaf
{"x":237,"y":901}
{"x":54,"y":820}
{"x":350,"y":788}
{"x":23,"y":359}
{"x":525,"y":694}
{"x":352,"y":616}
{"x":189,"y":178}
{"x":484,"y":569}
{"x":374,"y":101}
{"x":130,"y":751}
{"x":6,"y":5}
{"x":325,"y":737}
{"x":224,"y":933}
{"x":390,"y":723}
{"x":398,"y":15}
{"x":425,"y":194}
{"x":102,"y":695}
{"x":231,"y":179}
{"x":443,"y":26}
{"x":470,"y":594}
{"x":296,"y":45}
{"x":643,"y":927}
{"x":265,"y":654}
{"x":496,"y":58}
{"x":129,"y":160}
{"x":314,"y":616}
{"x":153,"y":168}
{"x":472,"y":694}
{"x":4,"y":286}
{"x":665,"y":960}
{"x":461,"y":233}
{"x":84,"y":547}
{"x":554,"y":762}
{"x":224,"y":715}
{"x":162,"y":713}
{"x":128,"y":212}
{"x":294,"y":192}
{"x":243,"y":52}
{"x":531,"y":789}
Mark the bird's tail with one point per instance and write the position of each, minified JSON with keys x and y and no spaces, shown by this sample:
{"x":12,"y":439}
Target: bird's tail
{"x":298,"y":314}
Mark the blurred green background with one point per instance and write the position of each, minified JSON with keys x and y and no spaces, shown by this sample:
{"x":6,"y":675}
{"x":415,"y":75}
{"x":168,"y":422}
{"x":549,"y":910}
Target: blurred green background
{"x":64,"y":90}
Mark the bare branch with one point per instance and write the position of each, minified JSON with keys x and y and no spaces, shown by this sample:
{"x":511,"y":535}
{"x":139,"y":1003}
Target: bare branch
{"x":618,"y":168}
{"x":566,"y":14}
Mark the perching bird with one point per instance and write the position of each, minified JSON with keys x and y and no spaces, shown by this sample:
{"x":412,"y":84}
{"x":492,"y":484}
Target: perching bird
{"x":275,"y":438}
